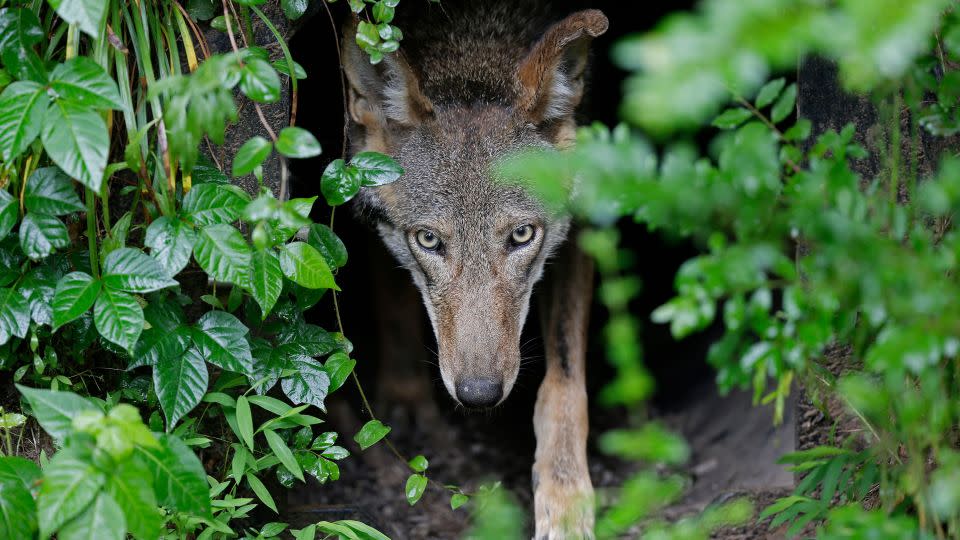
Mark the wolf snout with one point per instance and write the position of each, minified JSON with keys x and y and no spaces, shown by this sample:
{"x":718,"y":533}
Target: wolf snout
{"x":479,"y":392}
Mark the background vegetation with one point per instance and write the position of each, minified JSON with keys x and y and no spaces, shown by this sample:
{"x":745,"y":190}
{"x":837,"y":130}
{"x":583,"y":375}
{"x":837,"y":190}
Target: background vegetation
{"x":136,"y":282}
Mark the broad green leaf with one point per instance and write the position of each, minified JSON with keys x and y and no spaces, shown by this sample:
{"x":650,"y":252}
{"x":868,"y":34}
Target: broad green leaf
{"x":84,"y":82}
{"x":306,"y":340}
{"x":784,"y":106}
{"x":339,"y":182}
{"x":18,"y":470}
{"x":282,"y":66}
{"x":14,"y":315}
{"x":171,"y":242}
{"x":178,"y":476}
{"x":457,"y":500}
{"x":416,"y":484}
{"x":221,"y":340}
{"x":202,"y":10}
{"x":376,"y":169}
{"x":338,"y":366}
{"x":306,"y":267}
{"x":309,"y":382}
{"x":259,"y":81}
{"x":102,"y":520}
{"x":55,"y":410}
{"x":131,"y":487}
{"x":18,"y":511}
{"x":38,"y":286}
{"x":23,"y":106}
{"x":251,"y":155}
{"x":266,"y":280}
{"x":70,"y":483}
{"x":418,"y":464}
{"x":87,"y":14}
{"x":365,"y":531}
{"x":76,"y":139}
{"x":158,"y":344}
{"x":283,"y":453}
{"x":49,"y":191}
{"x":294,"y":9}
{"x":370,"y":434}
{"x":131,"y":270}
{"x":20,"y":30}
{"x":42,"y":234}
{"x":180,"y":382}
{"x":769,"y":92}
{"x":328,"y":244}
{"x":9,"y":213}
{"x":118,"y":318}
{"x":75,"y":294}
{"x":223,"y":253}
{"x":245,"y":421}
{"x":261,"y":492}
{"x":297,"y":142}
{"x":207,"y":204}
{"x":731,"y":118}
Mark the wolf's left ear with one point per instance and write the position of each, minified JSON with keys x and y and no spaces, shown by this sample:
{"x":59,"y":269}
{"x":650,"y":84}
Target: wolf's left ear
{"x":550,"y":77}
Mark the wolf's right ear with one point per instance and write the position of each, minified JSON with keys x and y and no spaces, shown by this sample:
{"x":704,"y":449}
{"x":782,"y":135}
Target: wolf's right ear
{"x":382,"y":97}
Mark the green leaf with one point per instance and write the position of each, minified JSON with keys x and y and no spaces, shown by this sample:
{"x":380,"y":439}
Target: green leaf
{"x":800,"y":131}
{"x":23,"y":106}
{"x":70,"y":483}
{"x":294,"y":9}
{"x":731,"y":118}
{"x":76,"y":139}
{"x":131,"y":487}
{"x":297,"y":142}
{"x":245,"y":421}
{"x":131,"y":270}
{"x":339,"y":183}
{"x":259,"y":81}
{"x":75,"y":294}
{"x":55,"y":410}
{"x":9,"y":212}
{"x":208,"y":204}
{"x":784,"y":106}
{"x":769,"y":92}
{"x":87,"y":14}
{"x":84,"y":82}
{"x":18,"y":511}
{"x":328,"y":244}
{"x":49,"y":191}
{"x":383,"y":13}
{"x":171,"y":242}
{"x":14,"y":315}
{"x":38,"y":286}
{"x":338,"y":366}
{"x":20,"y":30}
{"x":309,"y":383}
{"x":283,"y":453}
{"x":261,"y":492}
{"x":306,"y":267}
{"x":178,"y":476}
{"x":418,"y":464}
{"x":221,"y":340}
{"x":283,"y":67}
{"x":457,"y":500}
{"x":102,"y":520}
{"x":416,"y":484}
{"x":180,"y":382}
{"x":251,"y":155}
{"x":370,"y":434}
{"x":118,"y":317}
{"x":41,"y":235}
{"x":266,"y":280}
{"x":157,"y":344}
{"x":223,"y":253}
{"x":376,"y":169}
{"x":18,"y":470}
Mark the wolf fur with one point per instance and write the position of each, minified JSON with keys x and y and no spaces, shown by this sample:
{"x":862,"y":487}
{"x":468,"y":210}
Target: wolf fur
{"x":473,"y":82}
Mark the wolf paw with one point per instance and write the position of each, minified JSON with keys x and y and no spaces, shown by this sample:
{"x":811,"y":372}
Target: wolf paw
{"x":563,"y":511}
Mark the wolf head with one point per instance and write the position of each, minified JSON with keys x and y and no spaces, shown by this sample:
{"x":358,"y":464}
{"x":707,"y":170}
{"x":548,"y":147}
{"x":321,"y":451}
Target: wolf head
{"x":474,"y":245}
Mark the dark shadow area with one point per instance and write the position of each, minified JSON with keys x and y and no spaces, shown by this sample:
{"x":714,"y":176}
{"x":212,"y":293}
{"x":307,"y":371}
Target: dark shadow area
{"x":466,"y":449}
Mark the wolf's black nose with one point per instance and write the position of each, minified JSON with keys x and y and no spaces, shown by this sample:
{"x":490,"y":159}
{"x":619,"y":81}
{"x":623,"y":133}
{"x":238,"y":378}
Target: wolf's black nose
{"x":479,"y":392}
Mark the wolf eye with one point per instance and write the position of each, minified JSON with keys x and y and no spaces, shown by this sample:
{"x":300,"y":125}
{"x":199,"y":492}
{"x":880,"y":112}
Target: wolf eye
{"x":522,"y":235}
{"x":428,"y":239}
